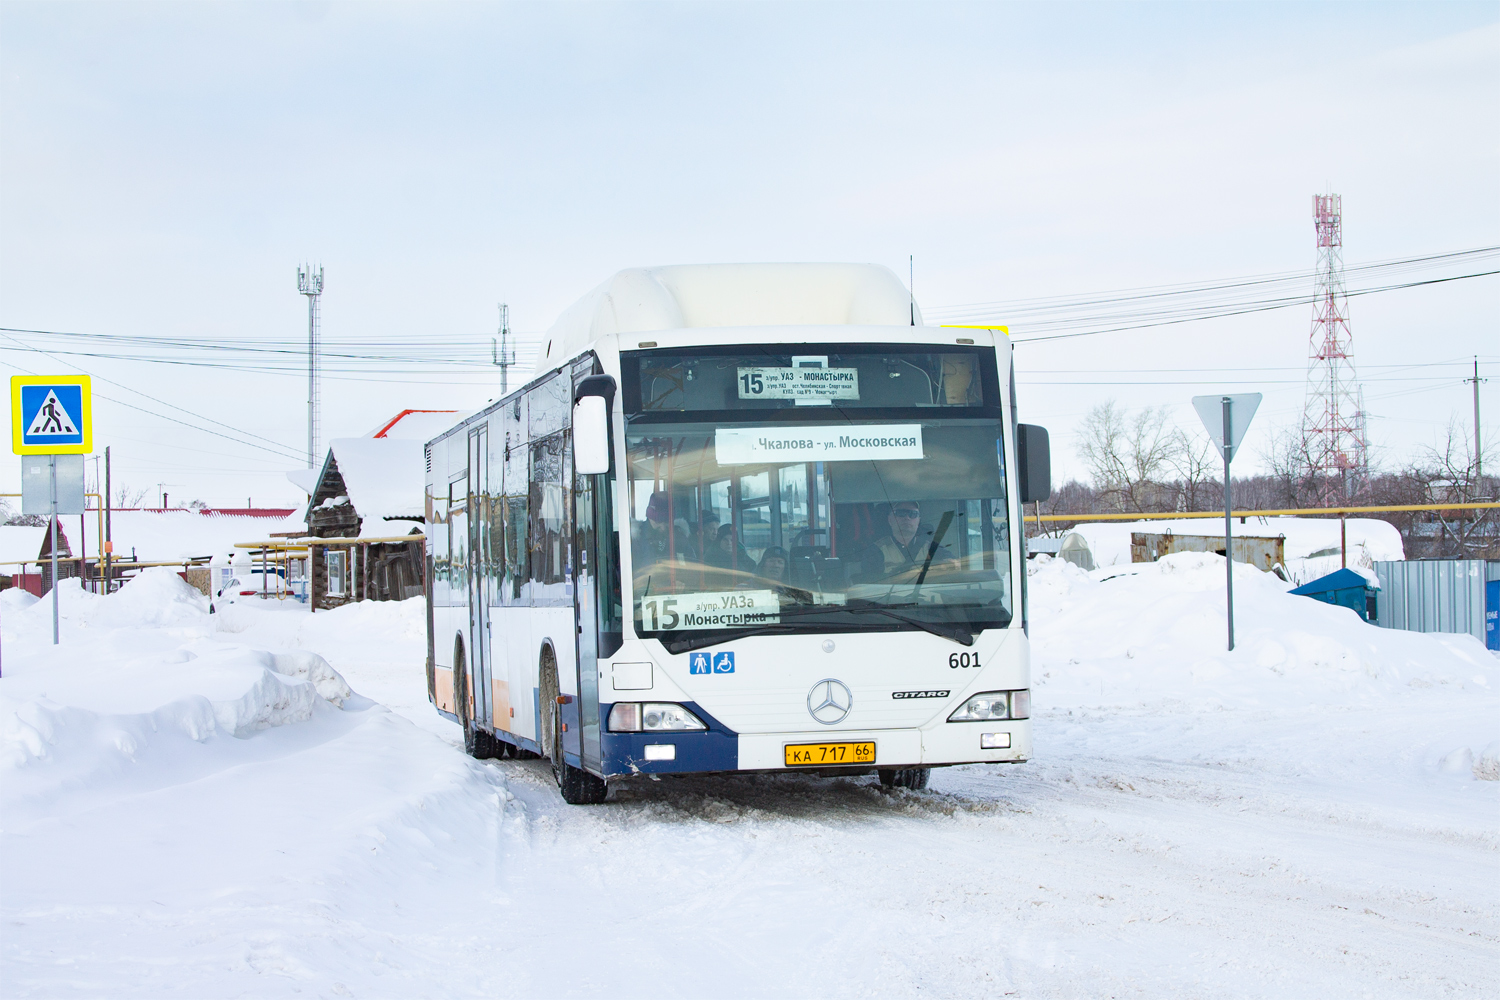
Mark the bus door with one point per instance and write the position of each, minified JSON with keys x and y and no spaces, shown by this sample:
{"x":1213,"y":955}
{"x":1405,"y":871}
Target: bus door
{"x":597,"y":596}
{"x":586,"y":518}
{"x":459,"y":573}
{"x":479,"y":522}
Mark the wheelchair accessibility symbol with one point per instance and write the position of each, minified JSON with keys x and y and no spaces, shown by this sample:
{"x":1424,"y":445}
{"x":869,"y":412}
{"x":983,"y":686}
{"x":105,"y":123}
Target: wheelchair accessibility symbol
{"x":717,"y":663}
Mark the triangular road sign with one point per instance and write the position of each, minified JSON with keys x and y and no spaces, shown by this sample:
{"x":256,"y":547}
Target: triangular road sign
{"x":52,"y":418}
{"x":1242,"y":408}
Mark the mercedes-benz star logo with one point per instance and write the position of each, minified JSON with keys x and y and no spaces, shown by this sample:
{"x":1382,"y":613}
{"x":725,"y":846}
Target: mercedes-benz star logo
{"x":829,"y":701}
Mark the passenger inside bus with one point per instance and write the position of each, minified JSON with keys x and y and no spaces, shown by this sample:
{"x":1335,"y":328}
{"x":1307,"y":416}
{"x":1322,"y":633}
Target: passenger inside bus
{"x":656,"y":540}
{"x":727,"y":552}
{"x":773,"y":565}
{"x":904,"y":547}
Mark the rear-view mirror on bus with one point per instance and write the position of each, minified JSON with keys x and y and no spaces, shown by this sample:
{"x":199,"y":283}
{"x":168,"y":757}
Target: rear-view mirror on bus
{"x":591,"y":436}
{"x":1034,"y":462}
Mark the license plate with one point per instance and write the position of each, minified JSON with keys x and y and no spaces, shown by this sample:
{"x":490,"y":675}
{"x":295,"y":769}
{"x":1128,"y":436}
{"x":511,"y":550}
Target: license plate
{"x":826,"y":754}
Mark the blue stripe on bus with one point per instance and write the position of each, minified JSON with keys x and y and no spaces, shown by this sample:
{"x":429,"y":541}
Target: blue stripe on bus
{"x":718,"y":749}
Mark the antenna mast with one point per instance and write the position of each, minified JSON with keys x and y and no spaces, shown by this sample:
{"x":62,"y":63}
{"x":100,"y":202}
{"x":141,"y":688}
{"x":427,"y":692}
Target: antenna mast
{"x":310,"y":283}
{"x":503,"y":355}
{"x":1333,"y":420}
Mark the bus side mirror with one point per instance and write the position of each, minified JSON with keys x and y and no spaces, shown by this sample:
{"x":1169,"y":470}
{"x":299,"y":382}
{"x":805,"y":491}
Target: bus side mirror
{"x":1034,"y":462}
{"x":591,"y":402}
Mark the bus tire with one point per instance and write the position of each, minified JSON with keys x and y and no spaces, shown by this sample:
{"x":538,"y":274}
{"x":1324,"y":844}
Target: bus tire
{"x":904,"y":777}
{"x":477,"y":743}
{"x":482,"y":745}
{"x":578,"y":787}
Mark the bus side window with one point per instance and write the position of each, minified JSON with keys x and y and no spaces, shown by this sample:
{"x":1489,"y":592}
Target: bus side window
{"x":517,"y":556}
{"x":549,"y":504}
{"x":550,"y":407}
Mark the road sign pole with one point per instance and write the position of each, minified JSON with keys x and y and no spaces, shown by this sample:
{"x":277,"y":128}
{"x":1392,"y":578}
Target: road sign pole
{"x":1217,"y":414}
{"x":1228,"y":521}
{"x":52,"y":461}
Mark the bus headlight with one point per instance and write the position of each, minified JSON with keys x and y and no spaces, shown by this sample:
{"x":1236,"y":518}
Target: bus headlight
{"x":651,"y":717}
{"x":994,"y":706}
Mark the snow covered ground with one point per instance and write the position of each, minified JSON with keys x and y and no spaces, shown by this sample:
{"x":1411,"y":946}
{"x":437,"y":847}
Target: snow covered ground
{"x":200,"y":806}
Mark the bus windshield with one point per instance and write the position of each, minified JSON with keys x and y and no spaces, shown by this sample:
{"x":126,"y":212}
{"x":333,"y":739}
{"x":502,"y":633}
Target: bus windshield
{"x":838,"y":489}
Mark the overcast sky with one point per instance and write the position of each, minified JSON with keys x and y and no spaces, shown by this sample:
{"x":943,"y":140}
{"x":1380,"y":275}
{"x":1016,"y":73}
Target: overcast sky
{"x":164,"y":169}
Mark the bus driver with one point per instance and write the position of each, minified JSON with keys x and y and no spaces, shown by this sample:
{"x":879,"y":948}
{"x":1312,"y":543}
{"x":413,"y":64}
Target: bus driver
{"x":905,"y":547}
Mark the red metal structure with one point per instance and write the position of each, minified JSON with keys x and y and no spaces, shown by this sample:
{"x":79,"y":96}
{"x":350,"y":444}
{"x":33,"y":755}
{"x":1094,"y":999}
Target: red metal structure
{"x":1333,"y":433}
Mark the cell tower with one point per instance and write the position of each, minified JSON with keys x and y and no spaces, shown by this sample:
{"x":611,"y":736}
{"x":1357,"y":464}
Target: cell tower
{"x":501,"y":353}
{"x":1333,"y":435}
{"x":310,"y":283}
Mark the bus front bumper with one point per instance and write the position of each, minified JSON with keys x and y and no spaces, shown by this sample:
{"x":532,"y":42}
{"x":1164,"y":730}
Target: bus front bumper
{"x":718,"y":750}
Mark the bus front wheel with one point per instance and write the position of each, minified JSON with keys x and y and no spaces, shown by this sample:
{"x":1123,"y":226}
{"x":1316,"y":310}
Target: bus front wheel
{"x":578,"y":787}
{"x":904,"y":777}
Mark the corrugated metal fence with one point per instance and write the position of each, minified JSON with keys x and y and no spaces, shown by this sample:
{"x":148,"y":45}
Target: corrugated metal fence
{"x":1434,"y":595}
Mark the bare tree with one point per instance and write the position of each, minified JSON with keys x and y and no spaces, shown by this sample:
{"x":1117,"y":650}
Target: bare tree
{"x":126,"y":497}
{"x":1195,"y":459}
{"x":1451,"y":475}
{"x":1128,"y":456}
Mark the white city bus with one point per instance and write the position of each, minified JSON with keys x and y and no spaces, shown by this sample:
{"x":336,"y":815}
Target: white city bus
{"x":743,"y":518}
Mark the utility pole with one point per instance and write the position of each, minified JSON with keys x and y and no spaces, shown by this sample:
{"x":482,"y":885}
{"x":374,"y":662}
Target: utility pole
{"x":109,"y":545}
{"x":1478,"y":452}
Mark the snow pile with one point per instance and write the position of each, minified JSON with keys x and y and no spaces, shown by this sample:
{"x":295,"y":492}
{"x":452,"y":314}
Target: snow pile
{"x":155,"y":596}
{"x":1154,"y":634}
{"x":1312,"y":544}
{"x":13,"y":600}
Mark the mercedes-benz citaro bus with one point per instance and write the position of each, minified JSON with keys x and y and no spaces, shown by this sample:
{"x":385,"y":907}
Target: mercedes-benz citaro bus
{"x":744,"y":517}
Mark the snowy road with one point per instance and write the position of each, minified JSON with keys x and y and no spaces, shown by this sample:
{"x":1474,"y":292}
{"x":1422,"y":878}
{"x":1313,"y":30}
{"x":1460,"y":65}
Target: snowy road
{"x":1309,"y":823}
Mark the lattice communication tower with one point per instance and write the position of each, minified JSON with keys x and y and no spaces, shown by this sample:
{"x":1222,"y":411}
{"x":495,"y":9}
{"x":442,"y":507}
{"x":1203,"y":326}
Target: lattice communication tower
{"x":310,"y":283}
{"x":502,"y":352}
{"x":1333,"y":424}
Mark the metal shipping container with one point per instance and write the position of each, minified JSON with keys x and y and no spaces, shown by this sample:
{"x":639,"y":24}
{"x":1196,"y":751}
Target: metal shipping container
{"x":1261,"y":552}
{"x":1434,"y":595}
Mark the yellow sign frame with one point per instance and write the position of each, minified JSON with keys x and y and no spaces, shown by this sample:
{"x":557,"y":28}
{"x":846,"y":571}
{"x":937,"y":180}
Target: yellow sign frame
{"x":86,"y":418}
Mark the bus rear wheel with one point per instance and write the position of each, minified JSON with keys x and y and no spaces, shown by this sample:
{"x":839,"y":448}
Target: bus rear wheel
{"x":477,"y":743}
{"x":904,"y":777}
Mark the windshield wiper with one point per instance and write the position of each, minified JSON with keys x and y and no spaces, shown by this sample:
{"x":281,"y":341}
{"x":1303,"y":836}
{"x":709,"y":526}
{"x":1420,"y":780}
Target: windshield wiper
{"x":956,"y":632}
{"x":959,"y":633}
{"x":675,"y":646}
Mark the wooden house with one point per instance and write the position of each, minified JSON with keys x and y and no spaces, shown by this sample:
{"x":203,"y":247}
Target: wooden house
{"x":364,"y":523}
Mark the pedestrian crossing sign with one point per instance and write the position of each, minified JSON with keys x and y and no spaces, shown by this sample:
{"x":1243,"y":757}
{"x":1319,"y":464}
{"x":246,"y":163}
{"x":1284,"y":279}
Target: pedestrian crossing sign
{"x":51,"y":415}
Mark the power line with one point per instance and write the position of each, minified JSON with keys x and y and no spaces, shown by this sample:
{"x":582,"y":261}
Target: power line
{"x":1085,"y":301}
{"x":162,"y":416}
{"x":1222,"y":313}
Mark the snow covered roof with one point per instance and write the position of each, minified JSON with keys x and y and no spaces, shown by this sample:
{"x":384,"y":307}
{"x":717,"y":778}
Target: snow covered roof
{"x":642,"y":299}
{"x":382,"y":478}
{"x":19,"y":542}
{"x":165,"y":535}
{"x":1305,"y":536}
{"x":305,"y":480}
{"x":408,"y":425}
